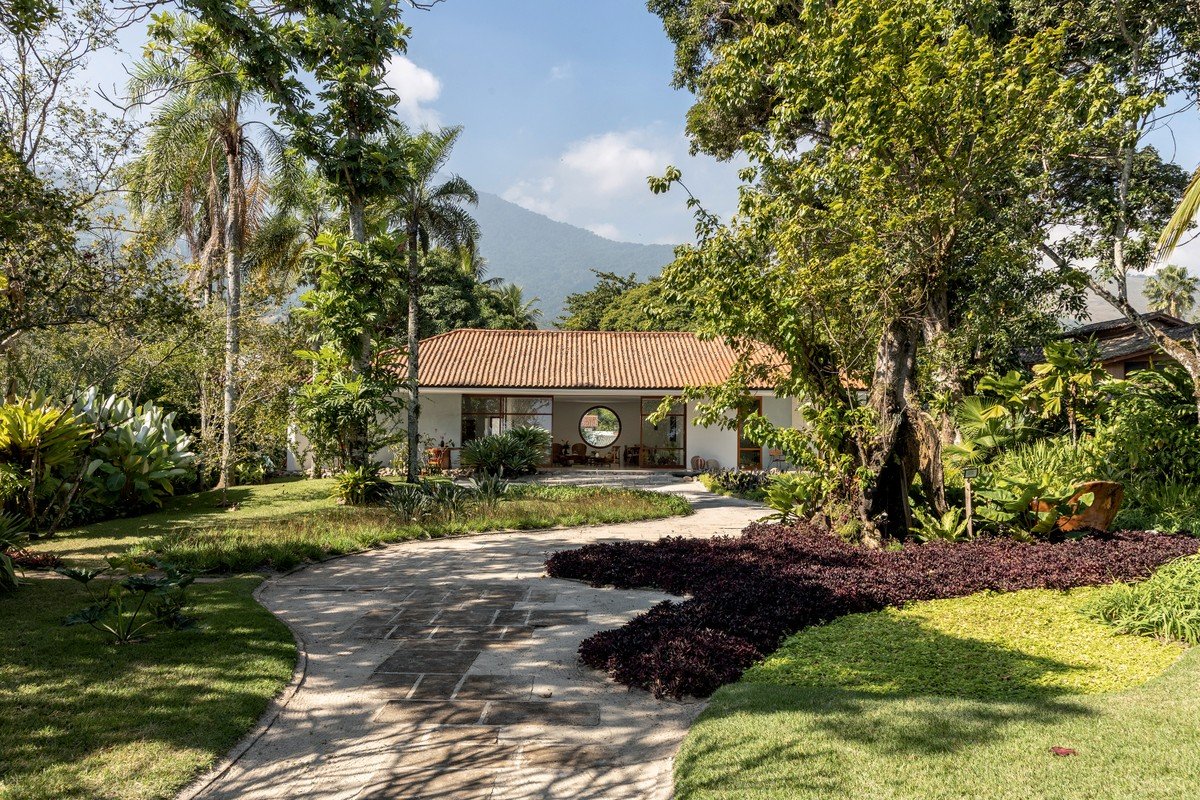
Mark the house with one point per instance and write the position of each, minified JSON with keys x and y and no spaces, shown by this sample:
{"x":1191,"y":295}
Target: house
{"x":1123,"y":348}
{"x":593,"y":390}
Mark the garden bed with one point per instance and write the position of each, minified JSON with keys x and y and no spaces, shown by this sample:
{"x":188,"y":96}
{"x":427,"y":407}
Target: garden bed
{"x":748,"y":592}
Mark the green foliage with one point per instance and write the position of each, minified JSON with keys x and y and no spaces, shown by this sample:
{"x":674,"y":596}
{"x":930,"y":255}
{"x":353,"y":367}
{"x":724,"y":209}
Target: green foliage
{"x":583,"y":311}
{"x":13,"y":534}
{"x":1170,"y":506}
{"x":506,"y":308}
{"x":1165,"y":606}
{"x":1068,"y":383}
{"x":124,"y":609}
{"x":949,"y":527}
{"x":489,"y":489}
{"x":1027,"y":489}
{"x":41,"y":446}
{"x":516,"y":452}
{"x":342,"y":411}
{"x":410,"y":503}
{"x":138,"y":456}
{"x":794,"y":495}
{"x":361,"y":486}
{"x":744,"y":484}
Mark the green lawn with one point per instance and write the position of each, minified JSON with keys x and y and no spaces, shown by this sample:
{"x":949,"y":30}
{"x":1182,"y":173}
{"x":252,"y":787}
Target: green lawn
{"x":81,"y":718}
{"x":955,"y":699}
{"x":280,"y":525}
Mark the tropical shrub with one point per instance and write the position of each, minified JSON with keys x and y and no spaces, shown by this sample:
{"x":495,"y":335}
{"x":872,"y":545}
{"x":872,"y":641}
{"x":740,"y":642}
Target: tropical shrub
{"x":343,"y":412}
{"x":793,"y":495}
{"x":1165,"y":606}
{"x":447,"y":499}
{"x":516,"y":452}
{"x":773,"y":580}
{"x":138,"y":454}
{"x":42,"y":447}
{"x":409,"y":502}
{"x":361,"y":486}
{"x":13,"y":534}
{"x":950,"y":526}
{"x":746,"y":484}
{"x":125,"y":608}
{"x":489,"y":489}
{"x":253,"y":469}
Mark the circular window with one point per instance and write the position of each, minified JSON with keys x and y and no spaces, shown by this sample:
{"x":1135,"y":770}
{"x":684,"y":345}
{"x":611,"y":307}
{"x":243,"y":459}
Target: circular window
{"x":599,"y":426}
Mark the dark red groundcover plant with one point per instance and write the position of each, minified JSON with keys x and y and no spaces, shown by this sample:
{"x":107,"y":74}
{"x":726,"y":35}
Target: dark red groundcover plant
{"x":746,"y":593}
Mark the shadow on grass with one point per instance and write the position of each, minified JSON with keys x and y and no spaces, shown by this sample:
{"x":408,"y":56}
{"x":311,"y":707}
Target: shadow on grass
{"x":79,"y":713}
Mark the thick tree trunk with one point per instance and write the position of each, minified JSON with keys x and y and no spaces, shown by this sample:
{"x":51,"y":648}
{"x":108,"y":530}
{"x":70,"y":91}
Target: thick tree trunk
{"x":414,"y":404}
{"x":893,"y":454}
{"x":233,"y":307}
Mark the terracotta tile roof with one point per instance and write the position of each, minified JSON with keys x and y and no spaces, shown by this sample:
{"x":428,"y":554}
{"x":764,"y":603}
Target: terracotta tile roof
{"x":548,"y":359}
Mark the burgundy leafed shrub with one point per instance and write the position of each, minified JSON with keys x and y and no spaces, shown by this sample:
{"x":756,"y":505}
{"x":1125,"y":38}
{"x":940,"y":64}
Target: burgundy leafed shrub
{"x":30,"y":559}
{"x":746,"y":593}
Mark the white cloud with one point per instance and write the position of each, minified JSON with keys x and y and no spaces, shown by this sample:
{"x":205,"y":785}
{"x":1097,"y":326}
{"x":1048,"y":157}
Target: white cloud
{"x":614,"y":161}
{"x":603,"y":177}
{"x":606,"y":229}
{"x":561,"y":72}
{"x":416,"y":87}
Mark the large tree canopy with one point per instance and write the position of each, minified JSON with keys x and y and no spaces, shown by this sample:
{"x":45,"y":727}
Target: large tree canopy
{"x":888,"y":227}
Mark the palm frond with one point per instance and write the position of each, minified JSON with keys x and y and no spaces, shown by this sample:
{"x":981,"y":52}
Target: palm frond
{"x":1182,"y":220}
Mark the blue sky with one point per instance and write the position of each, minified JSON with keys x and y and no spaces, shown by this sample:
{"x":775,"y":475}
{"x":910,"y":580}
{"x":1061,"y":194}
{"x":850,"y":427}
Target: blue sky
{"x":567,"y":106}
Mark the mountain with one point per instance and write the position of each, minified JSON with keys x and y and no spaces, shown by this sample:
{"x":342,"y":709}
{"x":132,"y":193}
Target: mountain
{"x":549,"y":259}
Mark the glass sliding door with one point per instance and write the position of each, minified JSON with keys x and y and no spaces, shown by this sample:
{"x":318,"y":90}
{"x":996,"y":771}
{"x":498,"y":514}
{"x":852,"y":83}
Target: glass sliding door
{"x":663,"y":444}
{"x":750,"y":454}
{"x":491,"y":415}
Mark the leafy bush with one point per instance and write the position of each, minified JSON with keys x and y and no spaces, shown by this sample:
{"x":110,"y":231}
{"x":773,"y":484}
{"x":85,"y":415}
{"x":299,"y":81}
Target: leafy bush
{"x":361,"y":486}
{"x":13,"y":534}
{"x":774,"y":580}
{"x":949,"y":527}
{"x":793,"y":495}
{"x":516,"y":452}
{"x":253,"y":470}
{"x":1166,"y":606}
{"x":409,"y":503}
{"x":447,"y":499}
{"x":41,"y":448}
{"x":124,"y":609}
{"x":1170,"y":506}
{"x":489,"y":489}
{"x":746,"y":484}
{"x":138,"y":454}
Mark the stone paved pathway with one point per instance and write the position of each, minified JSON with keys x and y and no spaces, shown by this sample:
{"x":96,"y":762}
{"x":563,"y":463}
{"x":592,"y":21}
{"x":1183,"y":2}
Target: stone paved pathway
{"x":447,"y":669}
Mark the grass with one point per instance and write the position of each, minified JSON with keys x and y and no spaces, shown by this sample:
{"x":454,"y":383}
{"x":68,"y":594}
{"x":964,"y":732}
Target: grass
{"x":281,"y":525}
{"x":81,"y":718}
{"x":955,"y":699}
{"x":1165,"y":606}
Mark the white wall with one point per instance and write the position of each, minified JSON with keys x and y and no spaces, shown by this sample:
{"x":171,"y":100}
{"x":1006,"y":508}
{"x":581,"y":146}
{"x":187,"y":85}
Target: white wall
{"x":713,"y":443}
{"x":568,"y":411}
{"x":441,"y":418}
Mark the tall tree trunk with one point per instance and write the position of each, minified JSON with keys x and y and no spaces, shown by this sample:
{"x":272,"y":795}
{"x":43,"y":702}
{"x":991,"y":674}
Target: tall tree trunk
{"x":234,"y":221}
{"x":414,"y":403}
{"x":892,"y":455}
{"x":360,"y":362}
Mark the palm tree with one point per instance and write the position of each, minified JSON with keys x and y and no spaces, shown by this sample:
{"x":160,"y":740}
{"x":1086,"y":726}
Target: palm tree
{"x":512,"y":311}
{"x":428,"y":212}
{"x":1181,"y":220}
{"x":1172,"y":290}
{"x":199,"y":139}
